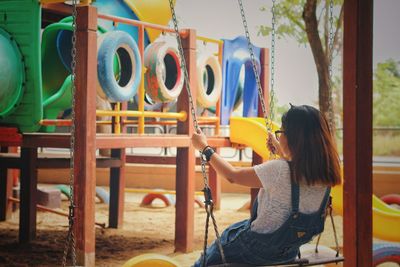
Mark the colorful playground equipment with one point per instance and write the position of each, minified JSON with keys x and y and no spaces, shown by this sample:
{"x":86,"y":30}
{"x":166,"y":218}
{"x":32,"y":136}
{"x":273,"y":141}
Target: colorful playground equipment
{"x":154,"y":12}
{"x":21,"y":74}
{"x":39,"y":95}
{"x":13,"y":69}
{"x":42,"y":63}
{"x":118,"y":57}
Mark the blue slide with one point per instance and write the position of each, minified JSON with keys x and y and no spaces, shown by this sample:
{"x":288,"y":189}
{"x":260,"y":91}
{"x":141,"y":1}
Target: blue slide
{"x":237,"y":72}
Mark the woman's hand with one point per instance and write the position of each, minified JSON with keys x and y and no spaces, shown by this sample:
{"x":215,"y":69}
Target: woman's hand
{"x":199,"y":140}
{"x":273,"y":145}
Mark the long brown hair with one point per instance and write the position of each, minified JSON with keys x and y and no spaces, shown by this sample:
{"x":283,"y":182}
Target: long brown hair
{"x":314,"y":157}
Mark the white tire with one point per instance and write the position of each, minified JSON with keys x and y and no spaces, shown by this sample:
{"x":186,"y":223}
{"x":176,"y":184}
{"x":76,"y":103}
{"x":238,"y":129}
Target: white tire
{"x":209,"y":79}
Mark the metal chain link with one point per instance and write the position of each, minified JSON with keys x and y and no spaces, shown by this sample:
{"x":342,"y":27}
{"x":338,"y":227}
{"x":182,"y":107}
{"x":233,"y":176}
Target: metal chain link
{"x":256,"y":74}
{"x":70,"y":240}
{"x":330,"y":55}
{"x":209,"y":205}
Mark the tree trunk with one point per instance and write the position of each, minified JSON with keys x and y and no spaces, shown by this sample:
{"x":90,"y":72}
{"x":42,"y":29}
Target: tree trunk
{"x":320,"y":58}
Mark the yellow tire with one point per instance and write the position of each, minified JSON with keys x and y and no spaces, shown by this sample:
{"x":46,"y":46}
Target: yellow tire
{"x":151,"y":260}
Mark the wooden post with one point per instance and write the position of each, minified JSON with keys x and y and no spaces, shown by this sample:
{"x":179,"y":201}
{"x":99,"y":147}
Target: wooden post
{"x":264,"y":79}
{"x":357,"y":147}
{"x":117,"y":181}
{"x":85,"y":135}
{"x":185,"y":157}
{"x":117,"y":193}
{"x":27,"y":219}
{"x":6,"y":184}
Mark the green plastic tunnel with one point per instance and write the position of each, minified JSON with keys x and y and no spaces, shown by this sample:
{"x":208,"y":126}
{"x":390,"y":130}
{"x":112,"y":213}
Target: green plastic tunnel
{"x":12,"y":74}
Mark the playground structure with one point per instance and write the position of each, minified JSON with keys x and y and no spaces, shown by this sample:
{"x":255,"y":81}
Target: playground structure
{"x":87,"y":141}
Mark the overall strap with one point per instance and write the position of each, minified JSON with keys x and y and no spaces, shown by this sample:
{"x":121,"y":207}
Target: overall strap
{"x":253,"y":214}
{"x":295,"y":189}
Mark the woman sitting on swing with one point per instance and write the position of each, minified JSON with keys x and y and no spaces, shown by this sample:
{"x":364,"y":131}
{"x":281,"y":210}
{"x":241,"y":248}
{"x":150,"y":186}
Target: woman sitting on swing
{"x":294,"y":191}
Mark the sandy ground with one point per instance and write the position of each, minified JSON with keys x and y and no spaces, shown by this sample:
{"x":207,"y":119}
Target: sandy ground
{"x":146,"y":230}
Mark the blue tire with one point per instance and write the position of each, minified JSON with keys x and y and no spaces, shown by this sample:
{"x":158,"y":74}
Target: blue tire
{"x":121,"y":44}
{"x":103,"y":195}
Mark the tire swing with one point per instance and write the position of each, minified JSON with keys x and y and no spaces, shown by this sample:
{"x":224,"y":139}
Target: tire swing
{"x":209,"y":80}
{"x":118,"y":52}
{"x":163,"y":77}
{"x":385,"y":252}
{"x":391,"y":199}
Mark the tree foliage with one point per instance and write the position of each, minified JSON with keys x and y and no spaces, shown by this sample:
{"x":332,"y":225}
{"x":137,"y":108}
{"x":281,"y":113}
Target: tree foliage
{"x":308,"y":22}
{"x":386,"y":97}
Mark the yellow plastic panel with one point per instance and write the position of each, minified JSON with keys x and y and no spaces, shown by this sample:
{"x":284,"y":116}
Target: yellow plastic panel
{"x":251,"y":132}
{"x":151,"y":259}
{"x":152,"y":11}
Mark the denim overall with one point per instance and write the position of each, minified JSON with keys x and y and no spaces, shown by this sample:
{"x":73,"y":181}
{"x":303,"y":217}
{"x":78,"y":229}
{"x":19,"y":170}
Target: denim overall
{"x":241,"y":245}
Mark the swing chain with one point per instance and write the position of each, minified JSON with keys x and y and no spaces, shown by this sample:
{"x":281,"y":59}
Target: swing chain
{"x":268,"y":124}
{"x":330,"y":209}
{"x":183,"y":65}
{"x":330,"y":55}
{"x":272,"y":91}
{"x":207,"y":191}
{"x":209,"y":207}
{"x":256,"y":74}
{"x":70,"y":240}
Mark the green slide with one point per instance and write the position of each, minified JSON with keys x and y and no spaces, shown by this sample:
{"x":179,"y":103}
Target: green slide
{"x":56,"y":59}
{"x":20,"y":72}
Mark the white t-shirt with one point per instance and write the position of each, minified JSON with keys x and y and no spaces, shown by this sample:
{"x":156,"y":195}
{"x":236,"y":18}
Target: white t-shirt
{"x":274,"y":198}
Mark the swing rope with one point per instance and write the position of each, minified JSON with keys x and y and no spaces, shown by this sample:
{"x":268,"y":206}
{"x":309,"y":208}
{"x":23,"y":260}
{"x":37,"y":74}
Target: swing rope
{"x":69,"y":245}
{"x":209,"y":204}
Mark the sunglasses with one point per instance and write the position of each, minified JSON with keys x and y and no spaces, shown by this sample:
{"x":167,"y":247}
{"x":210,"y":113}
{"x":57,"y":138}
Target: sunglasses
{"x":278,"y":133}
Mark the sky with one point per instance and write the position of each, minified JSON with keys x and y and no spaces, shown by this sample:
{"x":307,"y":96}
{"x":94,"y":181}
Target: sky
{"x":296,"y":79}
